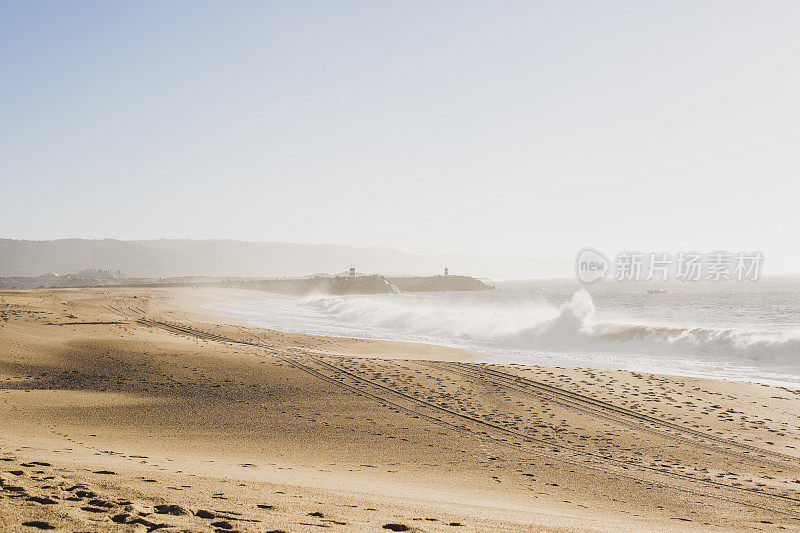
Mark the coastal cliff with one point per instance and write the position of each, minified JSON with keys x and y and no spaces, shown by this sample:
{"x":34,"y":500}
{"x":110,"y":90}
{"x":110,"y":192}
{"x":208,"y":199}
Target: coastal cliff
{"x":375,"y":284}
{"x":439,"y":283}
{"x":321,"y":284}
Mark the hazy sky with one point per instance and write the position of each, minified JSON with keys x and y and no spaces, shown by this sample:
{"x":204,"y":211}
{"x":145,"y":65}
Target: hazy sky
{"x":525,"y":129}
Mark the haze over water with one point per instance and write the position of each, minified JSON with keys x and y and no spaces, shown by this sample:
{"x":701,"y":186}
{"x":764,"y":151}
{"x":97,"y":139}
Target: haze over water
{"x":732,"y":330}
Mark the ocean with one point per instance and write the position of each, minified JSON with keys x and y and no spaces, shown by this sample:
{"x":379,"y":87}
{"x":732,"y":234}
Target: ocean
{"x":726,"y":330}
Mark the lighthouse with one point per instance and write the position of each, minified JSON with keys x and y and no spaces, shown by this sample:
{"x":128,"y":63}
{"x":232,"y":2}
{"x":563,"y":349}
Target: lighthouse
{"x":446,"y":272}
{"x":352,"y":272}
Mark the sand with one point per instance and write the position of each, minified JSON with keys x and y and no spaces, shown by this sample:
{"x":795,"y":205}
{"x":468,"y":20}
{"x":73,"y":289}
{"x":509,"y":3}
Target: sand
{"x":141,"y":409}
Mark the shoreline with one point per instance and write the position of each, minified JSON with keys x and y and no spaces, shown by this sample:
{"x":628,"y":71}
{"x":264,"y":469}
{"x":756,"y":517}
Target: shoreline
{"x":222,"y":417}
{"x":481,"y":354}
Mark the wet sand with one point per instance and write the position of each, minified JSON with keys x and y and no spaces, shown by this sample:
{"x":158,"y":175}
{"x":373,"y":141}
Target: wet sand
{"x":124,"y":409}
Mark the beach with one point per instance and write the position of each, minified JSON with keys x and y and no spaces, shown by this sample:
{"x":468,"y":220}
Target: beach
{"x":143,"y":408}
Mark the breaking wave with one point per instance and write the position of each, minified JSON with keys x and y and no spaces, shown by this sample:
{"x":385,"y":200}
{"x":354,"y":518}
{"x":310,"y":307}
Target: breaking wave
{"x":570,"y":327}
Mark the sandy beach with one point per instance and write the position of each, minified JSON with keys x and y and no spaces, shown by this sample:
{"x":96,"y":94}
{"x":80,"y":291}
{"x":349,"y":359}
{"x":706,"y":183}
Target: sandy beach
{"x":140,"y":409}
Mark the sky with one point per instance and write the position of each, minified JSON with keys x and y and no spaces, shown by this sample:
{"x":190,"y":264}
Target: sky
{"x":528,"y":129}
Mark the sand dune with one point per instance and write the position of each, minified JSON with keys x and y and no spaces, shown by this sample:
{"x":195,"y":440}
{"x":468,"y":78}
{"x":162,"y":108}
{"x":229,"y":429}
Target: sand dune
{"x":124,"y":409}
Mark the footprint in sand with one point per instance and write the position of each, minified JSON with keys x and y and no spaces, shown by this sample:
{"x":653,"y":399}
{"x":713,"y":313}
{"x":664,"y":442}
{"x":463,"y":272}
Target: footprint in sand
{"x":174,"y":510}
{"x":42,"y":500}
{"x":38,"y":524}
{"x":396,"y":527}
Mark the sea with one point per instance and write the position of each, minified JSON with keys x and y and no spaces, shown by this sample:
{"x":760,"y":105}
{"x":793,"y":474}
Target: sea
{"x":733,"y":330}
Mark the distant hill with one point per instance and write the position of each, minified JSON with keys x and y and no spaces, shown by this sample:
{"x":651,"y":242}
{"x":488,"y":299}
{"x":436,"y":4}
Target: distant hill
{"x":169,"y":258}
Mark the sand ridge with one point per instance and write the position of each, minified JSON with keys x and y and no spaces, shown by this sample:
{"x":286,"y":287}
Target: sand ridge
{"x":272,"y":431}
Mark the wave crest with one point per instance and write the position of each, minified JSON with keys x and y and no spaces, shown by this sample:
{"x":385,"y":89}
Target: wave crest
{"x":537,"y":325}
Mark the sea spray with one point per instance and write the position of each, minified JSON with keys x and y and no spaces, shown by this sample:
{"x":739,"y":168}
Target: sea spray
{"x":739,"y":332}
{"x":432,"y":317}
{"x":538,"y":325}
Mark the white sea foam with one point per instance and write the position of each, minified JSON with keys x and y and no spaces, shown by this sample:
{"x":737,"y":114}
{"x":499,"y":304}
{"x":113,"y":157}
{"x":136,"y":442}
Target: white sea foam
{"x":574,"y":329}
{"x":570,"y":327}
{"x":433,"y":318}
{"x":735,"y":331}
